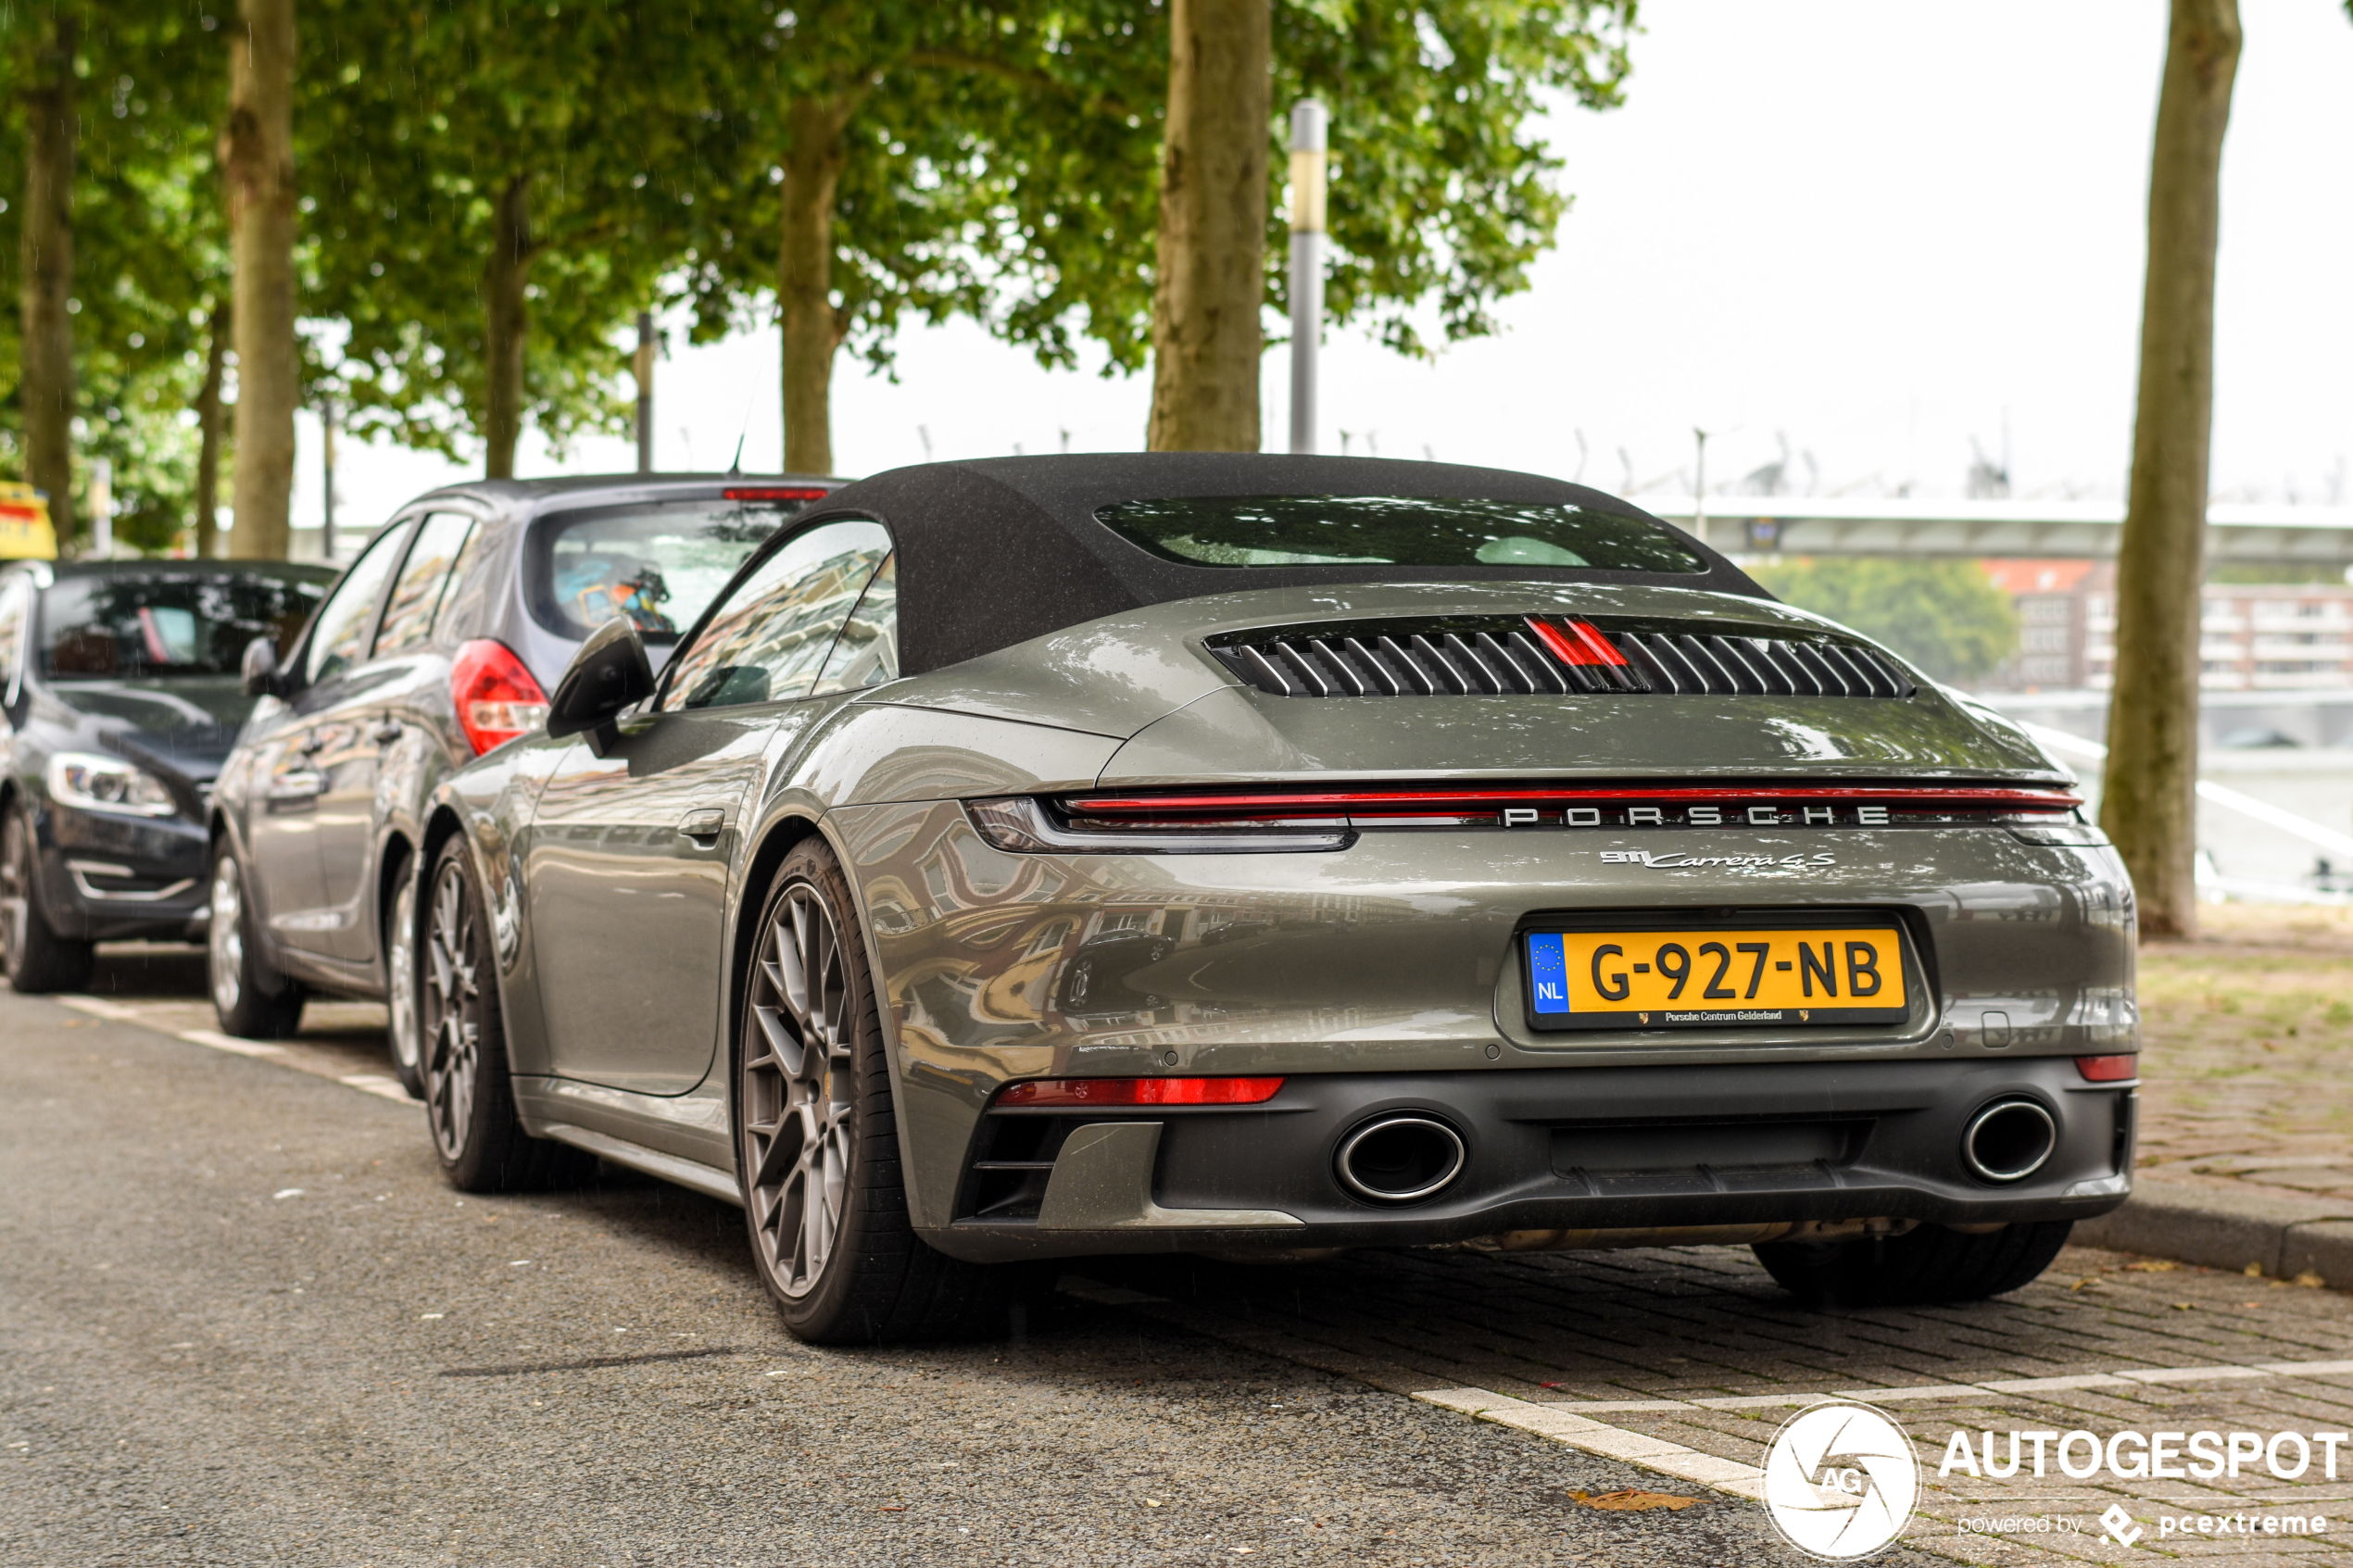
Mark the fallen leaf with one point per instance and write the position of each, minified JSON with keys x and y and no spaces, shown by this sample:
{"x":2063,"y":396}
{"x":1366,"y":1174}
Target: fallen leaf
{"x":1632,"y":1500}
{"x":892,"y":1508}
{"x":2310,"y":1278}
{"x":2185,"y":1306}
{"x":2253,"y":1271}
{"x":2154,"y":1266}
{"x":1152,"y":1502}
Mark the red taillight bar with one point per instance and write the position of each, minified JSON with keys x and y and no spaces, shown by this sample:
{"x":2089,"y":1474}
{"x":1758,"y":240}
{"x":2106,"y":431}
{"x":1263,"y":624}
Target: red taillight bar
{"x":1325,"y":801}
{"x":774,"y":493}
{"x":1093,"y":1092}
{"x":2108,"y":1069}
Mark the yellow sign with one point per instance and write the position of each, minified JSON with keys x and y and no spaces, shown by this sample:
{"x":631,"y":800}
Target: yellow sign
{"x":25,"y":533}
{"x":1676,"y":979}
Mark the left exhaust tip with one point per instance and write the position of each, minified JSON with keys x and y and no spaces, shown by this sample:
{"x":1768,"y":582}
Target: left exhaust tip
{"x":1400,"y":1158}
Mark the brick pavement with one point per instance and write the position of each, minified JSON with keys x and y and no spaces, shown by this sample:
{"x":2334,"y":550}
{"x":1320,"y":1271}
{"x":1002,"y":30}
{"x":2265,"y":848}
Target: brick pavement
{"x":1635,"y":1338}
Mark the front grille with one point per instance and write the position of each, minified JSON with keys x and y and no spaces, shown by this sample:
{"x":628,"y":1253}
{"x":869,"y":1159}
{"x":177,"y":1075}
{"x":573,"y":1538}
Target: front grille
{"x":1531,"y":655}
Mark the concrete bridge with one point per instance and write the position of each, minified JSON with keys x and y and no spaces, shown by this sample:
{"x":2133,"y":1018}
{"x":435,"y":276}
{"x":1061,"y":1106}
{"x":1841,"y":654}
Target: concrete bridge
{"x":1903,"y":525}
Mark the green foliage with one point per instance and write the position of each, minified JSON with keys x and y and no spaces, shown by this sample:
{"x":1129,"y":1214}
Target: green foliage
{"x":1442,"y":193}
{"x":413,"y":119}
{"x":920,"y":174}
{"x":150,"y":252}
{"x":1001,"y":160}
{"x":1945,"y":616}
{"x":1004,"y":160}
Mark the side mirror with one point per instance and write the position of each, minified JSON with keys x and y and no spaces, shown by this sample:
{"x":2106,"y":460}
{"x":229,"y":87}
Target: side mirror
{"x":609,"y":674}
{"x":260,"y":669}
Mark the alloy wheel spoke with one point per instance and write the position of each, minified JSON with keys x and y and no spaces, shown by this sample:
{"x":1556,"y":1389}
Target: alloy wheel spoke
{"x":795,"y":1115}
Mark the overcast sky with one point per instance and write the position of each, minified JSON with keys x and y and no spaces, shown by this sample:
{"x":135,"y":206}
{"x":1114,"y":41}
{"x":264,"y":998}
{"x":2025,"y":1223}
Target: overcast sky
{"x":1880,"y":229}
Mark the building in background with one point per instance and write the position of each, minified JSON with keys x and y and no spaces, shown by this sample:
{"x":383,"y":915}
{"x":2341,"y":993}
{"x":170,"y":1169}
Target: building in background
{"x":2272,"y":636}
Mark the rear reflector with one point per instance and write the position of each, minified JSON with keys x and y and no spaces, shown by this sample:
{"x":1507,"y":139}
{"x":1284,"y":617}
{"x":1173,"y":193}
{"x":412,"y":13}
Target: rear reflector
{"x":2108,"y":1069}
{"x":774,"y":493}
{"x":496,"y":697}
{"x":1096,"y":1092}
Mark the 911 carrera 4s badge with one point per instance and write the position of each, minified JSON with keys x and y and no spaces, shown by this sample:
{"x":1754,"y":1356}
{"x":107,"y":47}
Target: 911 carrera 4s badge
{"x":1843,"y":971}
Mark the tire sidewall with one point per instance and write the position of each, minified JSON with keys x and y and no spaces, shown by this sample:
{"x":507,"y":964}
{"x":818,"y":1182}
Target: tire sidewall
{"x":403,"y":983}
{"x":483,"y":1154}
{"x":826,"y":1310}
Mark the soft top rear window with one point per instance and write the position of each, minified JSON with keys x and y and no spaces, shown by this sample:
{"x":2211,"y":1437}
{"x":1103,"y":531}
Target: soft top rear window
{"x":659,"y":564}
{"x":1395,"y":531}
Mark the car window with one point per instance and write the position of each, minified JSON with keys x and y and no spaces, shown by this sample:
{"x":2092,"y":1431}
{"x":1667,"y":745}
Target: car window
{"x":866,"y":654}
{"x":14,"y":598}
{"x":769,"y":638}
{"x":164,"y":622}
{"x":339,"y":639}
{"x":659,"y":565}
{"x":424,"y":577}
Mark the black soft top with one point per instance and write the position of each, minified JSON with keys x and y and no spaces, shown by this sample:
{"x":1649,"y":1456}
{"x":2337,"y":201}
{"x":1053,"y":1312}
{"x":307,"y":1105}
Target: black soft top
{"x":997,"y":551}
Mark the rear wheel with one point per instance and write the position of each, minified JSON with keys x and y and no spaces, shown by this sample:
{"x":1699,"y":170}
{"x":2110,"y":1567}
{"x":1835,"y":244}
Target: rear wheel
{"x":470,"y":1098}
{"x":817,"y":1148}
{"x":37,"y":959}
{"x":252,"y":999}
{"x":1928,"y":1264}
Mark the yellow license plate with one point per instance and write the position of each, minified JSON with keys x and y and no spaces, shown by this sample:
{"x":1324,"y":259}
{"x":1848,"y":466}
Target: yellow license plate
{"x":1701,"y":977}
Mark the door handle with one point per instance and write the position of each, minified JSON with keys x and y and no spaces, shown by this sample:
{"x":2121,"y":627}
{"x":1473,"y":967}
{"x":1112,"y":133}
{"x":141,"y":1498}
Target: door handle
{"x":705,"y":823}
{"x":296,"y":786}
{"x":386,"y":732}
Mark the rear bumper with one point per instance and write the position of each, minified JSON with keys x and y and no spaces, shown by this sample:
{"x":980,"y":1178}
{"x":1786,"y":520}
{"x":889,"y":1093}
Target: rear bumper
{"x":1601,"y":1149}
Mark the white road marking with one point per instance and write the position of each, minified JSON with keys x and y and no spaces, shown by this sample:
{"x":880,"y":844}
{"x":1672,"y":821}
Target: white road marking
{"x":98,"y":1006}
{"x":220,"y":1042}
{"x":1571,"y":1422}
{"x":1598,"y":1438}
{"x":379,"y":1084}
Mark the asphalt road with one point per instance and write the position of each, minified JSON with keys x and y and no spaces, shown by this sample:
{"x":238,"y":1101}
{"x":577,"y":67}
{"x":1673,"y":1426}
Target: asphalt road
{"x":242,"y":1321}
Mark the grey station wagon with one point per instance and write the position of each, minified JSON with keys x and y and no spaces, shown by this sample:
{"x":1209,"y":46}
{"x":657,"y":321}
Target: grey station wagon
{"x":439,"y":643}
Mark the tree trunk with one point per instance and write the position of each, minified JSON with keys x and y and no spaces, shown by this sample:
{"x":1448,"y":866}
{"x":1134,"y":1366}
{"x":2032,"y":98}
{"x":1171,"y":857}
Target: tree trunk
{"x":256,"y":157}
{"x":1206,"y":337}
{"x":48,"y":271}
{"x":208,"y":421}
{"x":812,"y":327}
{"x":508,"y":319}
{"x":2149,"y":801}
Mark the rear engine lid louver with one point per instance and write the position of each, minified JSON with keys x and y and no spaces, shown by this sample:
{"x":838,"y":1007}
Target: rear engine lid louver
{"x":1553,"y":656}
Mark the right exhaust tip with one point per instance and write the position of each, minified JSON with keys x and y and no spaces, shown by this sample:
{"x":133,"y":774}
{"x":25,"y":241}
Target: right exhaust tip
{"x":2010,"y":1140}
{"x":1400,"y":1158}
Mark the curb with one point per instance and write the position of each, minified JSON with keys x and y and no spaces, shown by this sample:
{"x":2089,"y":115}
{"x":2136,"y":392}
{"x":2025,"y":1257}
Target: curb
{"x":2284,"y":1235}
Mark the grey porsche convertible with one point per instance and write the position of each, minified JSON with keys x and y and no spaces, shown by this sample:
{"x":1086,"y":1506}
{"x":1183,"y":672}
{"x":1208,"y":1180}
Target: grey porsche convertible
{"x":1264,"y":856}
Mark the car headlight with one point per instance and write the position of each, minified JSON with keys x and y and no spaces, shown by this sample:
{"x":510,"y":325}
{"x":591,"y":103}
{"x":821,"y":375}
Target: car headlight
{"x":90,"y":783}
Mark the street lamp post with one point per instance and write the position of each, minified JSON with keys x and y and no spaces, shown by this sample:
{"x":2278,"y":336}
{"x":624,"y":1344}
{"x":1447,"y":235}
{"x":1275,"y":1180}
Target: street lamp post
{"x":327,"y":450}
{"x":1309,"y":123}
{"x":643,"y":364}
